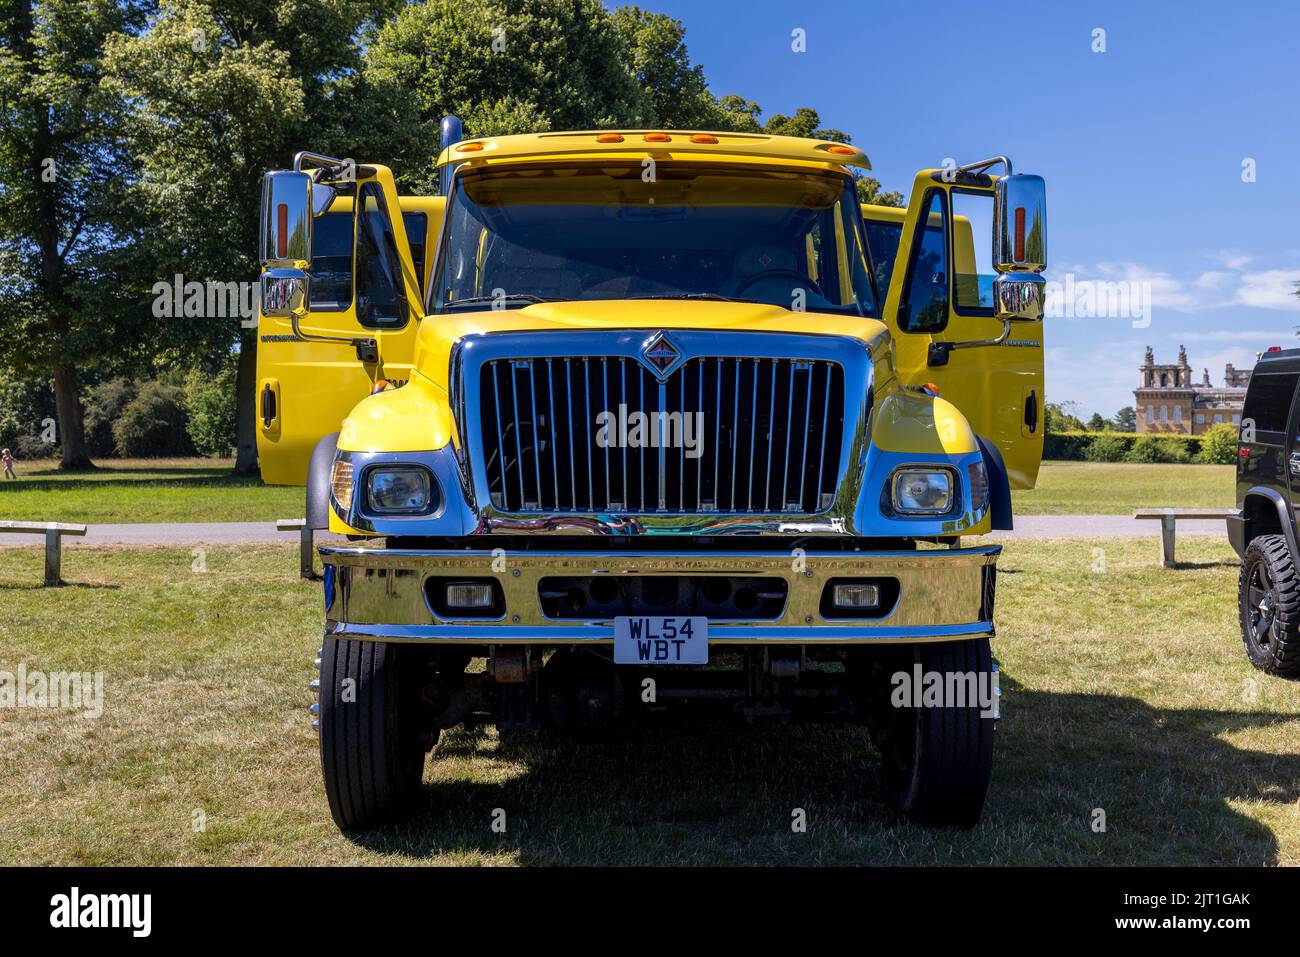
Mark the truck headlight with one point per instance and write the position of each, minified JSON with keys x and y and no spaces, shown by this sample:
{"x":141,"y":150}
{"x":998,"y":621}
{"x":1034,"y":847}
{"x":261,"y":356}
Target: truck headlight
{"x":922,"y":491}
{"x":399,"y":489}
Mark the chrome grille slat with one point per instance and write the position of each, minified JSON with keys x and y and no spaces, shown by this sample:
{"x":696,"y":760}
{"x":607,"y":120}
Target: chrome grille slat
{"x":517,"y":397}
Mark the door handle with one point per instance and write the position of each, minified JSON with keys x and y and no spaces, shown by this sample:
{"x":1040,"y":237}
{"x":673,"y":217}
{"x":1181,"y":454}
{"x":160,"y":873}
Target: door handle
{"x":1031,"y":412}
{"x":268,"y":406}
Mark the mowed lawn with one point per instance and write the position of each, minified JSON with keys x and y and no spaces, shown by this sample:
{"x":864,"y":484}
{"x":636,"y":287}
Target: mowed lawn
{"x":1125,"y":693}
{"x":1100,"y":488}
{"x":145,"y":490}
{"x":206,"y":490}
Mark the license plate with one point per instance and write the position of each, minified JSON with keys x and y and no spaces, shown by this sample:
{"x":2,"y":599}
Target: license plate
{"x":668,"y":640}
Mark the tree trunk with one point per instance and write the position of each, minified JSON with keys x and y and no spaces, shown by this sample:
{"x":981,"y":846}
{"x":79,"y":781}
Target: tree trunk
{"x":67,"y":392}
{"x":246,"y":406}
{"x":72,"y":431}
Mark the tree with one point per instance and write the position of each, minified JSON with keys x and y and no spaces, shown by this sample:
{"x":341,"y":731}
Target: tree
{"x":1059,"y":417}
{"x":1097,"y":423}
{"x":220,"y":92}
{"x":1126,"y":419}
{"x":870,"y":191}
{"x":673,"y":90}
{"x":1219,"y":444}
{"x":65,"y":212}
{"x":522,"y":66}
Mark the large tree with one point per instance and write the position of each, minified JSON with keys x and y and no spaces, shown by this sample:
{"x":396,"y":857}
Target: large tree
{"x":221,"y":91}
{"x":65,"y":212}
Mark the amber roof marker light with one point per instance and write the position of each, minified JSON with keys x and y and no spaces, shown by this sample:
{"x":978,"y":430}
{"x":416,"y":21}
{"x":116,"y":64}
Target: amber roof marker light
{"x":469,"y":147}
{"x":609,"y":138}
{"x":703,"y":138}
{"x":841,"y":150}
{"x":657,"y":138}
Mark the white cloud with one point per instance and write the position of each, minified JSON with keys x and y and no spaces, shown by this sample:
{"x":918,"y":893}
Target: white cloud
{"x":1234,"y":259}
{"x":1271,"y":289}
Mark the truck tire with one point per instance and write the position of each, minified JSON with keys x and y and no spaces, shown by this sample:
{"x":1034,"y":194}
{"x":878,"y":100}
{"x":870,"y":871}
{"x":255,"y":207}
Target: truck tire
{"x":1268,"y":602}
{"x":371,"y":753}
{"x":938,"y":760}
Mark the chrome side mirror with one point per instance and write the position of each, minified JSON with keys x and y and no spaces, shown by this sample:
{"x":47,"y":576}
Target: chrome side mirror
{"x":1020,"y":224}
{"x":287,"y":213}
{"x":1019,"y":247}
{"x":1019,"y":297}
{"x":285,"y":292}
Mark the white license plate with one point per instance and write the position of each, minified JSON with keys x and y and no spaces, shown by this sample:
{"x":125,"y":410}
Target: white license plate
{"x":668,"y":640}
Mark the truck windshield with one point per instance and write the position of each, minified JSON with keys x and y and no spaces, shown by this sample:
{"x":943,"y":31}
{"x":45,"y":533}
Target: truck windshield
{"x":551,"y":233}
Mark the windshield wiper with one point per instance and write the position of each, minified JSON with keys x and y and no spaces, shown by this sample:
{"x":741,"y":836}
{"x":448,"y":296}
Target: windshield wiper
{"x":707,"y":296}
{"x":517,"y":299}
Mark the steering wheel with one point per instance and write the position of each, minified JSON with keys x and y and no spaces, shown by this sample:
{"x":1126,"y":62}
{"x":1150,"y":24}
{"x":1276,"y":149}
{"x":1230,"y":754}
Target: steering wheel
{"x":806,"y":281}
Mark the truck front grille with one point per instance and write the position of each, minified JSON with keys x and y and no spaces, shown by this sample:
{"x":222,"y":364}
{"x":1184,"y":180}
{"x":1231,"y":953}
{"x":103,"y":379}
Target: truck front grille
{"x":767,"y":442}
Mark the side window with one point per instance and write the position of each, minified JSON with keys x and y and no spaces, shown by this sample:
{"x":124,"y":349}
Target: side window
{"x":972,"y":251}
{"x":417,"y":227}
{"x":331,"y":263}
{"x":882,"y":240}
{"x":1269,"y":399}
{"x":925,"y":300}
{"x":379,"y":305}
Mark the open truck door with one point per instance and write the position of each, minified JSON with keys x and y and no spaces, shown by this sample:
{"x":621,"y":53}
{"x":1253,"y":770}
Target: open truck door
{"x":345,"y":261}
{"x":965,"y":303}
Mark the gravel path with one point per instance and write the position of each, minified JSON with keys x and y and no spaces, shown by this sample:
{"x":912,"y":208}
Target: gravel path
{"x":242,"y":533}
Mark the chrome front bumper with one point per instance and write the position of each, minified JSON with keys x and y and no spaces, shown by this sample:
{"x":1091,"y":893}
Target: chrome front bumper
{"x":379,"y":593}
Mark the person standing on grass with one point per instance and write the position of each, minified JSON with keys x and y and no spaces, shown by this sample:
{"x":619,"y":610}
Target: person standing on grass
{"x":8,"y":463}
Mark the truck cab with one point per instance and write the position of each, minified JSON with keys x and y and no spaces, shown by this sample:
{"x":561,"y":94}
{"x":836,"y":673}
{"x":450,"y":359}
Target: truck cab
{"x":668,"y":421}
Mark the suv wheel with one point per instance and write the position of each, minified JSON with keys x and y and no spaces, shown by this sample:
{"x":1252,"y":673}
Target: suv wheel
{"x":1268,"y":599}
{"x":938,"y":760}
{"x":371,"y":751}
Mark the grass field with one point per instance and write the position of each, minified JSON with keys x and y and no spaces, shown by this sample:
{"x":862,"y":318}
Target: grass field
{"x":145,"y":490}
{"x":205,"y":490}
{"x":1095,"y":488}
{"x":1125,"y":689}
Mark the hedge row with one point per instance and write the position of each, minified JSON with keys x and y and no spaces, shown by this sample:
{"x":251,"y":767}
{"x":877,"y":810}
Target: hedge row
{"x":1218,"y":445}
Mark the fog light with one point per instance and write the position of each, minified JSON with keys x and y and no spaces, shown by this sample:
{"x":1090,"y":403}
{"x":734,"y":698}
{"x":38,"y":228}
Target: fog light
{"x":856,"y":596}
{"x":469,"y":595}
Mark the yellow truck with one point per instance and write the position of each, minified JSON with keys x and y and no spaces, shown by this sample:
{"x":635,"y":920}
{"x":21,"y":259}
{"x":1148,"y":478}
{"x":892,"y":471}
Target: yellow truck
{"x":628,"y":422}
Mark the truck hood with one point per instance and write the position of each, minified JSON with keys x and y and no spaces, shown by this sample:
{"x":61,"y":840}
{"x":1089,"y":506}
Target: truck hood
{"x":439,"y":334}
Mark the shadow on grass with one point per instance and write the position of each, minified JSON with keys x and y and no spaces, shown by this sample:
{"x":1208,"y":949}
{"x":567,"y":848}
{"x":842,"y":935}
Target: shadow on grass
{"x":1188,"y":566}
{"x":38,"y":586}
{"x":712,"y":794}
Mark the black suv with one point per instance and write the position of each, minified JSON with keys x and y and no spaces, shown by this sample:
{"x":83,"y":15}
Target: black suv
{"x":1263,"y":532}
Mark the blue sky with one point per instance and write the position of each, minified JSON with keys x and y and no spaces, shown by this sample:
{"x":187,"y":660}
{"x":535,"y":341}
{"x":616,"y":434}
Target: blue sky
{"x":1142,"y":146}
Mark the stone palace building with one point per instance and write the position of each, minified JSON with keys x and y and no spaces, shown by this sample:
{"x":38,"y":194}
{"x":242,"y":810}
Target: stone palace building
{"x":1168,"y":401}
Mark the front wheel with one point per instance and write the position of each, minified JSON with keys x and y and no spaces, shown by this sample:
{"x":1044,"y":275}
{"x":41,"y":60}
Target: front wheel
{"x":371,"y":751}
{"x":938,"y":752}
{"x":1268,"y":602}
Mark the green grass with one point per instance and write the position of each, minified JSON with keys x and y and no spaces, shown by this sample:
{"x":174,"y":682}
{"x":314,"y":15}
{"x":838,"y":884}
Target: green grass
{"x":206,"y":490}
{"x":145,"y":490}
{"x":1125,"y":688}
{"x":1096,"y":488}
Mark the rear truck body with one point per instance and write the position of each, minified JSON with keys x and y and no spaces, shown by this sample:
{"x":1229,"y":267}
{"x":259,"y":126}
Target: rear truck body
{"x":669,"y":421}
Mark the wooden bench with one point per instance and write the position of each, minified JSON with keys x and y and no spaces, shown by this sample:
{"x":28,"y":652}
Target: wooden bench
{"x":54,"y":532}
{"x":1170,"y":516}
{"x":306,"y":547}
